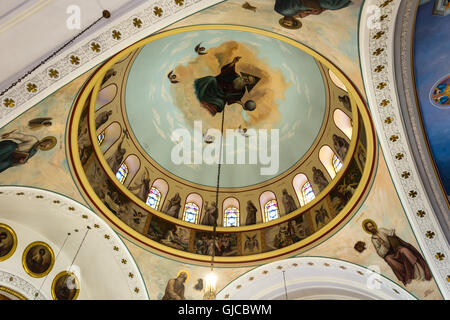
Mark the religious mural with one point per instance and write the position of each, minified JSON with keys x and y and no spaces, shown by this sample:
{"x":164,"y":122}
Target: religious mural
{"x":432,"y":81}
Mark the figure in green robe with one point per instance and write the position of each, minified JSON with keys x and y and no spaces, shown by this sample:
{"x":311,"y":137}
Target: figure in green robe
{"x":226,"y":88}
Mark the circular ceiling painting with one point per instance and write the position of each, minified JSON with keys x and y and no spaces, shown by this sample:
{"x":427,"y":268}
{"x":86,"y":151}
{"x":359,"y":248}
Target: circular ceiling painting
{"x":270,"y":95}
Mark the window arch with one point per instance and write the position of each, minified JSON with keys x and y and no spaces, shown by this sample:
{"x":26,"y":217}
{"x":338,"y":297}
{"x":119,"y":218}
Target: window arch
{"x":337,"y":163}
{"x":163,"y":188}
{"x":343,"y":122}
{"x":154,"y":198}
{"x":191,"y":212}
{"x":271,"y":211}
{"x":128,"y":169}
{"x":269,"y":206}
{"x":122,"y":173}
{"x":231,"y":217}
{"x":105,"y":96}
{"x":303,"y":189}
{"x":307,"y":192}
{"x":231,"y":214}
{"x":327,"y":157}
{"x":111,"y":135}
{"x":337,"y":81}
{"x":192,"y":208}
{"x":101,"y":137}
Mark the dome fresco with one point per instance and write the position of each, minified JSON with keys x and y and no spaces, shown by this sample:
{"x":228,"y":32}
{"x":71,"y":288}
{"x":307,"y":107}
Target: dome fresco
{"x":307,"y":201}
{"x":290,"y":98}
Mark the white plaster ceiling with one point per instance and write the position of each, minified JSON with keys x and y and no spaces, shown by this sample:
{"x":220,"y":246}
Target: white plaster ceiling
{"x":312,"y":278}
{"x":103,"y":263}
{"x":30,"y":30}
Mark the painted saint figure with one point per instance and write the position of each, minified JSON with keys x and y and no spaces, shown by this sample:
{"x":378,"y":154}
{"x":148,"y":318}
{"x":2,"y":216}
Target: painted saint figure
{"x":143,"y":187}
{"x":102,"y":118}
{"x":251,"y":213}
{"x":290,"y":9}
{"x":175,"y":287}
{"x":288,"y":202}
{"x":405,"y":261}
{"x":115,"y":160}
{"x":211,"y":214}
{"x":14,"y":153}
{"x":173,"y":206}
{"x":226,"y":88}
{"x":341,"y":146}
{"x":319,"y":179}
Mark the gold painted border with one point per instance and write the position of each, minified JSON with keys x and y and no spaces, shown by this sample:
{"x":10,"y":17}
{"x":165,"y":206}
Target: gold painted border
{"x":14,"y":247}
{"x":24,"y":263}
{"x":61,"y":274}
{"x":93,"y":86}
{"x":12,"y":292}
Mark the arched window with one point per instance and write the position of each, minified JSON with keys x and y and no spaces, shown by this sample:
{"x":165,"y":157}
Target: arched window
{"x":337,"y":81}
{"x":327,"y":157}
{"x":122,"y":173}
{"x":191,"y":212}
{"x":343,"y":122}
{"x":337,"y":163}
{"x":303,"y":189}
{"x":307,"y":193}
{"x":105,"y":96}
{"x":271,"y":211}
{"x":101,"y":137}
{"x":154,"y":198}
{"x":163,"y":188}
{"x":231,"y":217}
{"x":110,"y":135}
{"x":231,"y":213}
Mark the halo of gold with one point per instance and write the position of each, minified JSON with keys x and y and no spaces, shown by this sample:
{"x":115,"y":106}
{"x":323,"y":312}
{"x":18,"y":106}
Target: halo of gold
{"x":88,"y":96}
{"x":297,"y":26}
{"x":24,"y":262}
{"x":364,"y":225}
{"x":13,"y":249}
{"x":187,"y":273}
{"x":60,"y":275}
{"x":52,"y":139}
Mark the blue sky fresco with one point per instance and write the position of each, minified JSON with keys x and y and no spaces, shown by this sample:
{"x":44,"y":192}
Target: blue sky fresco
{"x":431,"y":63}
{"x":153,"y":113}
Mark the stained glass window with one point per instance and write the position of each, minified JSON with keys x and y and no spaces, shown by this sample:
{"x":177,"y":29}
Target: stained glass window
{"x":307,"y":193}
{"x":154,"y":197}
{"x":337,"y":163}
{"x":231,"y":217}
{"x":191,"y":212}
{"x":271,"y":210}
{"x":122,"y":173}
{"x":101,"y":137}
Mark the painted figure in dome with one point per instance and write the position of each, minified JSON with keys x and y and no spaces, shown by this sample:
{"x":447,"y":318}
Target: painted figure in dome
{"x":292,"y":9}
{"x":214,"y":92}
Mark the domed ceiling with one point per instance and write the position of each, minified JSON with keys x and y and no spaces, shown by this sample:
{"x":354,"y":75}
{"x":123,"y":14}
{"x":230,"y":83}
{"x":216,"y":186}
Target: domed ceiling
{"x":290,"y":99}
{"x":138,"y":115}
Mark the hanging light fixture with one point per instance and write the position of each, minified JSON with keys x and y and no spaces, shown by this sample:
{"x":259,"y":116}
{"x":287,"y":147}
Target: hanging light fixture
{"x":211,"y":279}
